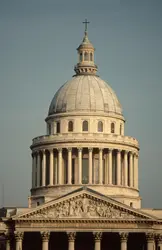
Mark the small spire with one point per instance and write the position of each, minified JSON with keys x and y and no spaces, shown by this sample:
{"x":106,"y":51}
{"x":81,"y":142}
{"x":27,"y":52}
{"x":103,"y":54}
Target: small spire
{"x":86,"y":65}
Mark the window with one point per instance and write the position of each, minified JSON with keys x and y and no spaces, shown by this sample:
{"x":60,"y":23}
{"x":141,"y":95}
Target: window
{"x":91,"y":57}
{"x":120,"y":129}
{"x":58,"y":127}
{"x":131,"y":204}
{"x":81,"y":57}
{"x":70,"y":126}
{"x":112,"y":128}
{"x":85,"y":126}
{"x":38,"y":203}
{"x":100,"y":126}
{"x":86,"y":56}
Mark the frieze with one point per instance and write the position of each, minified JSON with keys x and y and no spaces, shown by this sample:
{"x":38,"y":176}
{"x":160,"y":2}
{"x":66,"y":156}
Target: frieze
{"x":82,"y":207}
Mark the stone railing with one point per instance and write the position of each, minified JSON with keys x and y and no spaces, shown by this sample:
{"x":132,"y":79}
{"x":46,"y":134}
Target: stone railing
{"x":85,"y":137}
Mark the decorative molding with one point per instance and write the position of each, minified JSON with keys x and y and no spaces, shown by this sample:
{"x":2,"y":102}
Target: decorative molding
{"x":83,"y":206}
{"x":97,"y":236}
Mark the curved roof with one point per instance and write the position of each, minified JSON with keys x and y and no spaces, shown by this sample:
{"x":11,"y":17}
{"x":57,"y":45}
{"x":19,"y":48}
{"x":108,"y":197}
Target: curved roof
{"x":86,"y":93}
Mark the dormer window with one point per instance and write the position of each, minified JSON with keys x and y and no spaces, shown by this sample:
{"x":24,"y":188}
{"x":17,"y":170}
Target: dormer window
{"x":85,"y":126}
{"x":112,"y":128}
{"x":70,"y":126}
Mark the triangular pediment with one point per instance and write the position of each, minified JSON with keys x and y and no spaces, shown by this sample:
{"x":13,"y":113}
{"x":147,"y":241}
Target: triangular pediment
{"x":84,"y":204}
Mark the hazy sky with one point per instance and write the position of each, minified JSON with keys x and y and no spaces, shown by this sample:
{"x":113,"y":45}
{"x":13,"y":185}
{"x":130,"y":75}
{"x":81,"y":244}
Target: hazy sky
{"x":38,"y":41}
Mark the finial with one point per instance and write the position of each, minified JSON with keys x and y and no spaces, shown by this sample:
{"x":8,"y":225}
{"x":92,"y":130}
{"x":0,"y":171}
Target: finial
{"x":86,"y":25}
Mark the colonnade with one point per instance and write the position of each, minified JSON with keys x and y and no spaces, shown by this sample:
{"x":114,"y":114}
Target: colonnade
{"x":154,"y":241}
{"x":113,"y":167}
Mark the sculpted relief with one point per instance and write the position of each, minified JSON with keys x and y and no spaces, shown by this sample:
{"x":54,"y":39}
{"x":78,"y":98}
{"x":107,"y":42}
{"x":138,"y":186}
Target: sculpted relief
{"x":82,"y":207}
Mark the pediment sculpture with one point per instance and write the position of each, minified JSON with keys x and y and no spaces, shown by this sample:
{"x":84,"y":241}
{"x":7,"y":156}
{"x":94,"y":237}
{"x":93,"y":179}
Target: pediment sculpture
{"x":82,"y":207}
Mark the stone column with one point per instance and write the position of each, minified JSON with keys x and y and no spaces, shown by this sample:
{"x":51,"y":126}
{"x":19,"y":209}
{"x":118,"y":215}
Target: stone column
{"x":150,"y":241}
{"x":106,"y":169}
{"x":159,"y":241}
{"x":44,"y":168}
{"x":100,"y":166}
{"x":110,"y":165}
{"x":69,"y":165}
{"x":123,"y":240}
{"x":18,"y":239}
{"x":45,"y":239}
{"x":136,"y":170}
{"x":97,"y":238}
{"x":90,"y":165}
{"x":59,"y":166}
{"x":71,"y":240}
{"x":8,"y":241}
{"x":32,"y":170}
{"x":131,"y":169}
{"x":51,"y":168}
{"x":118,"y":167}
{"x":80,"y":165}
{"x":38,"y":169}
{"x":125,"y":168}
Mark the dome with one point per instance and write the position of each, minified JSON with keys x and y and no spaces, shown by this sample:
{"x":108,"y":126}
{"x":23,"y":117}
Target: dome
{"x":85,"y":93}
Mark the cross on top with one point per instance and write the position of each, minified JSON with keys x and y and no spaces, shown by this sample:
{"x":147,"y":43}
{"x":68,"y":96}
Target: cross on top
{"x":86,"y":24}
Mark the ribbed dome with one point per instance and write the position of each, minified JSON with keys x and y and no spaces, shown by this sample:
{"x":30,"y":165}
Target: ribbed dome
{"x":86,"y":93}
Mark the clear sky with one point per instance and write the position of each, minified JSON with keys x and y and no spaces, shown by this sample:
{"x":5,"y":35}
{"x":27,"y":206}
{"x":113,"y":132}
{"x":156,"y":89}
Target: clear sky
{"x":38,"y":41}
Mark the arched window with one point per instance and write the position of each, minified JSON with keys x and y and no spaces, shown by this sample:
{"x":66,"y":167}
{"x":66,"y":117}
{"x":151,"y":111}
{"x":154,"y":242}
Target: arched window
{"x":81,"y":57}
{"x":70,"y":126}
{"x":58,"y":127}
{"x":86,"y":56}
{"x":112,"y":128}
{"x":85,"y":126}
{"x":91,"y":57}
{"x":120,"y":129}
{"x":100,"y":126}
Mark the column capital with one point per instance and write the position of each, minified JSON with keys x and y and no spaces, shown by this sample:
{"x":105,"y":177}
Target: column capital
{"x":45,"y":235}
{"x":69,"y":149}
{"x":97,"y":236}
{"x":101,"y":149}
{"x":50,"y":150}
{"x":90,"y":149}
{"x":159,"y":238}
{"x":80,"y":149}
{"x":150,"y":236}
{"x":8,"y":235}
{"x":123,"y":236}
{"x":59,"y":150}
{"x":110,"y":150}
{"x":71,"y":236}
{"x":18,"y":235}
{"x":119,"y":150}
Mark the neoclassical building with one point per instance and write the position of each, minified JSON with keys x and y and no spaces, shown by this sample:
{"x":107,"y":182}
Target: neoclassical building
{"x":84,"y":191}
